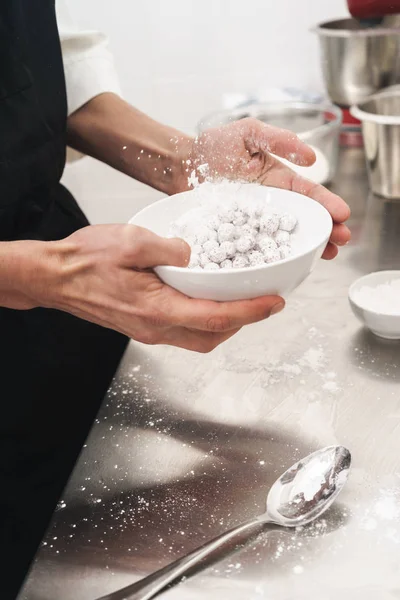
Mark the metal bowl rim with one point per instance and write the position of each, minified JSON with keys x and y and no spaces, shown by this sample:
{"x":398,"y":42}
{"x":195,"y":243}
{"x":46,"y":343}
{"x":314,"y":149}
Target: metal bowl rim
{"x":322,"y":30}
{"x":361,"y":114}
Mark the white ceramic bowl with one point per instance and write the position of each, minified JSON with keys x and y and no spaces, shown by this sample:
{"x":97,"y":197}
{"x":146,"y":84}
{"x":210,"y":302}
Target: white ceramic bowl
{"x":383,"y":325}
{"x":308,"y":244}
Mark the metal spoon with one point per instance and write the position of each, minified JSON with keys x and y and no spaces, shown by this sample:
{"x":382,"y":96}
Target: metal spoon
{"x":299,"y":496}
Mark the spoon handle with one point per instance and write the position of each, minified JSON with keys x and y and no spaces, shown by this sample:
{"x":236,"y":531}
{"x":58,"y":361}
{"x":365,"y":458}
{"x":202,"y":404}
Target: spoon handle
{"x":147,"y":588}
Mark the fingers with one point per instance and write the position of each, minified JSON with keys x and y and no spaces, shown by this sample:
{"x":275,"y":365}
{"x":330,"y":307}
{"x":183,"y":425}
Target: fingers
{"x":206,"y":325}
{"x":196,"y":341}
{"x":144,"y":250}
{"x":340,"y":235}
{"x":260,"y":137}
{"x":334,"y":204}
{"x":281,"y":176}
{"x":331,"y":251}
{"x":210,"y":316}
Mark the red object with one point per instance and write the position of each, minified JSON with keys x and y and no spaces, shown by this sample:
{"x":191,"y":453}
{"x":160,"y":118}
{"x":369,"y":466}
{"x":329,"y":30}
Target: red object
{"x":370,"y":9}
{"x":350,"y":133}
{"x":348,"y":118}
{"x":351,"y":139}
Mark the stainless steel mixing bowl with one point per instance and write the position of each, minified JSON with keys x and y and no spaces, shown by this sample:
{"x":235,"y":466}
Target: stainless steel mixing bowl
{"x":380,"y":117}
{"x":358,"y":61}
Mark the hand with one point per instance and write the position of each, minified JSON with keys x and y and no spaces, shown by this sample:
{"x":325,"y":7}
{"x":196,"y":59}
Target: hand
{"x":104,"y":278}
{"x":243,"y":150}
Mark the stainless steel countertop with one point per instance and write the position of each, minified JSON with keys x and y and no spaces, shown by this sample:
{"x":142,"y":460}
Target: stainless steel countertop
{"x":186,"y":446}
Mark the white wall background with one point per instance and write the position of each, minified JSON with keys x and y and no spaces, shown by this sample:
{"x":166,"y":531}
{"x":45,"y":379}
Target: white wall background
{"x":176,"y":58}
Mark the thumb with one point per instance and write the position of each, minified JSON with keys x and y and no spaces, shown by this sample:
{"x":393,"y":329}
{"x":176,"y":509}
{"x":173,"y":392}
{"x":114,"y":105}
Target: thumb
{"x":150,"y":250}
{"x":282,"y":143}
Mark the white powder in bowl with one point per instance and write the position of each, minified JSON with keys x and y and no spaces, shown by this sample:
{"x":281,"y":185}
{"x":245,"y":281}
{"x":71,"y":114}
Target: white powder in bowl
{"x":383,"y":298}
{"x":227,"y":232}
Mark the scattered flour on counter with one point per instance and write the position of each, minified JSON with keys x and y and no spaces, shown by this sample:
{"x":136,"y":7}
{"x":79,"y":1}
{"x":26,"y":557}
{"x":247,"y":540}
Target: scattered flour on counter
{"x":331,"y":386}
{"x":384,"y":509}
{"x":298,"y":570}
{"x":383,"y":298}
{"x":387,"y":507}
{"x":313,"y":358}
{"x":288,"y":369}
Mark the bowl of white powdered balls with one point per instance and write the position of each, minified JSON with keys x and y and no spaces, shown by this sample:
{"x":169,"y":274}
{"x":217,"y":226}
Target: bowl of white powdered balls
{"x":246,"y":240}
{"x":375,"y":300}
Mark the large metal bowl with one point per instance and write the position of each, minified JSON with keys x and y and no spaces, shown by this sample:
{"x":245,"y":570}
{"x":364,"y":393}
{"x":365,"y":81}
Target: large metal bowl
{"x":380,"y":118}
{"x":358,"y":61}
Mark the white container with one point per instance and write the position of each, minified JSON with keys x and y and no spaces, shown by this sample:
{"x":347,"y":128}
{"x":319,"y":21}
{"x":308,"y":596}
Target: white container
{"x":308,"y":243}
{"x":383,"y":325}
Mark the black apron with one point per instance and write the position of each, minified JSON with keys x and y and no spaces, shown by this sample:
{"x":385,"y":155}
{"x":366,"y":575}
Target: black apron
{"x":54,"y":368}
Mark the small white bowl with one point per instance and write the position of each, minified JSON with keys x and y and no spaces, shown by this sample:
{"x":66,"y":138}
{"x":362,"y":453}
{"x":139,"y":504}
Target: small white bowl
{"x":383,"y":325}
{"x":311,"y":237}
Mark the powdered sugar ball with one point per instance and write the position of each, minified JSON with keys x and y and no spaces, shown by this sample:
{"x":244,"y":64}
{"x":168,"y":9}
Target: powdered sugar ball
{"x":203,"y":234}
{"x":247,"y":229}
{"x":287,"y":222}
{"x":226,"y":264}
{"x":209,"y":246}
{"x":272,"y":256}
{"x":282,"y":237}
{"x":255,"y":208}
{"x":266,"y":242}
{"x":194,"y":261}
{"x":217,"y":255}
{"x":213,"y":222}
{"x":226,"y":215}
{"x":226,"y":232}
{"x":197,"y":249}
{"x":239,"y":218}
{"x":213,"y":235}
{"x":254,"y":223}
{"x":269,"y":223}
{"x":245,"y":243}
{"x":211,"y":267}
{"x":256,"y":258}
{"x":240,"y":261}
{"x":229,"y":248}
{"x":285,"y":251}
{"x":204,"y":259}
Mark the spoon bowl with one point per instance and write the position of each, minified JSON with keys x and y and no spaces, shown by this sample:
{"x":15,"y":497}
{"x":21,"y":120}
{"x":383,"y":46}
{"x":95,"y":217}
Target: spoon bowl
{"x":306,"y":490}
{"x":303,"y":493}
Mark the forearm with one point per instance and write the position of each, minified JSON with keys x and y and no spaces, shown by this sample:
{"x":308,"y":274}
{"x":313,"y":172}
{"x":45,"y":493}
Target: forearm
{"x":28,"y":274}
{"x":112,"y":131}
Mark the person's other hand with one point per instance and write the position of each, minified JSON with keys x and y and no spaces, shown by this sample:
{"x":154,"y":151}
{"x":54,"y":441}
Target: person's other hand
{"x":104,"y":276}
{"x":243,"y":150}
